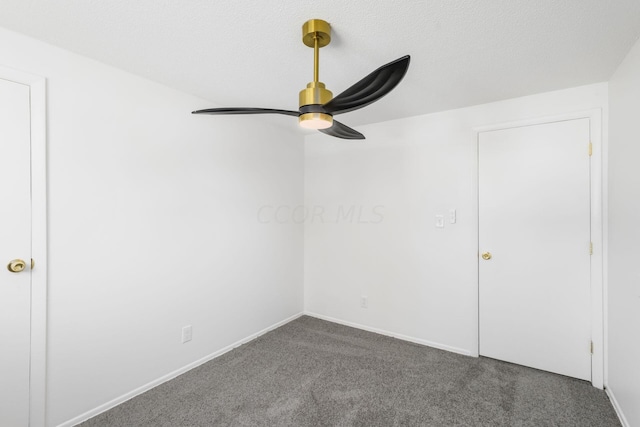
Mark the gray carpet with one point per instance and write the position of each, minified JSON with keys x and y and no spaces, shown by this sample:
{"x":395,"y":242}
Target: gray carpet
{"x":315,"y":373}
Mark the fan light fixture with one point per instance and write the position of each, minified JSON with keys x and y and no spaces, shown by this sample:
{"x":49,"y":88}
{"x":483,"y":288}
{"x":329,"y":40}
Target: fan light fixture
{"x":315,"y":121}
{"x":317,"y":104}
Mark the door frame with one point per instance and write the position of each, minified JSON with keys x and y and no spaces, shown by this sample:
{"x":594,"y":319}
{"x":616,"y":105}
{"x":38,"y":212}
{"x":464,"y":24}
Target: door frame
{"x":598,"y":204}
{"x":38,"y":124}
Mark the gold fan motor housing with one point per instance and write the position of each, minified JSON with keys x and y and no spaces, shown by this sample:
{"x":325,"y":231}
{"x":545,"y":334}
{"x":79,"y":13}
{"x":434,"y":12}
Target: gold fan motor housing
{"x":315,"y":93}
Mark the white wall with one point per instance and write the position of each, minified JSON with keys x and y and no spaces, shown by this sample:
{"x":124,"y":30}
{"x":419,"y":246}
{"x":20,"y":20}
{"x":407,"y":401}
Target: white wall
{"x":624,"y":236}
{"x":421,"y":281}
{"x":153,"y":225}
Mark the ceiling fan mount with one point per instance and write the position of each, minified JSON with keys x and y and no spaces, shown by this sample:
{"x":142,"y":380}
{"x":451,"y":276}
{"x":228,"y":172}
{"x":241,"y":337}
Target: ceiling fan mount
{"x":316,"y":29}
{"x":317,"y":106}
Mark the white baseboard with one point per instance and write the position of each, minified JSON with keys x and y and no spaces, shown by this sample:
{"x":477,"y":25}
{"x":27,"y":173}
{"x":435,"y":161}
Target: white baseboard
{"x":616,"y":406}
{"x":391,"y":334}
{"x":127,"y":396}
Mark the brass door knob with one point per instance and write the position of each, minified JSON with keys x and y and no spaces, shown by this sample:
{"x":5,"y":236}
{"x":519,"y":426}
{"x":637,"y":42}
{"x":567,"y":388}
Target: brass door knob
{"x":16,"y":266}
{"x":486,"y":255}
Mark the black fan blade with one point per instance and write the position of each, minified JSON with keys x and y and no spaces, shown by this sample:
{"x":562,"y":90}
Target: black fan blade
{"x":371,"y":88}
{"x":342,"y":131}
{"x":246,"y":111}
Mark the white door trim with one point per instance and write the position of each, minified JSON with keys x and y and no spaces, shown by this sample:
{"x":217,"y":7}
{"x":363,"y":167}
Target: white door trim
{"x":37,"y":381}
{"x":598,"y":291}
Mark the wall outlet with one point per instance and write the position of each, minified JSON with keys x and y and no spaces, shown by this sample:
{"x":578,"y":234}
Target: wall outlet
{"x":452,"y":216}
{"x":186,"y":334}
{"x":364,"y":301}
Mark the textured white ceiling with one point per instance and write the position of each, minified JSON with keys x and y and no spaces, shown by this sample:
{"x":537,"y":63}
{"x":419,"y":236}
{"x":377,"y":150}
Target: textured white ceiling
{"x":248,"y":53}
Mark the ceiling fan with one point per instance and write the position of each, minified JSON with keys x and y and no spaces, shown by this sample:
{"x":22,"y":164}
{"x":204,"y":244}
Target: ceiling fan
{"x":317,"y":104}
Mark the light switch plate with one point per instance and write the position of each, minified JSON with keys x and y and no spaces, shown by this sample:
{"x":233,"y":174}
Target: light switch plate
{"x":440,"y":221}
{"x":187,"y":334}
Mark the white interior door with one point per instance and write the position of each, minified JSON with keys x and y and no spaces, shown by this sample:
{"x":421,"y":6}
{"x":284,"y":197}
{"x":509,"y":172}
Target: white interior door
{"x":534,"y":220}
{"x":15,"y":244}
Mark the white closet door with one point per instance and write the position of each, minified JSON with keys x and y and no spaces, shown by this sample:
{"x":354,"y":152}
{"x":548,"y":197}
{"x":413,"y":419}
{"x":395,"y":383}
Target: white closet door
{"x":534,"y":221}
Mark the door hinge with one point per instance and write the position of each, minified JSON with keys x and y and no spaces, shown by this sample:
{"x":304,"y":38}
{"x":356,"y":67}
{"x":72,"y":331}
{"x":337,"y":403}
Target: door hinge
{"x":590,"y":149}
{"x":590,"y":248}
{"x":591,"y":347}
